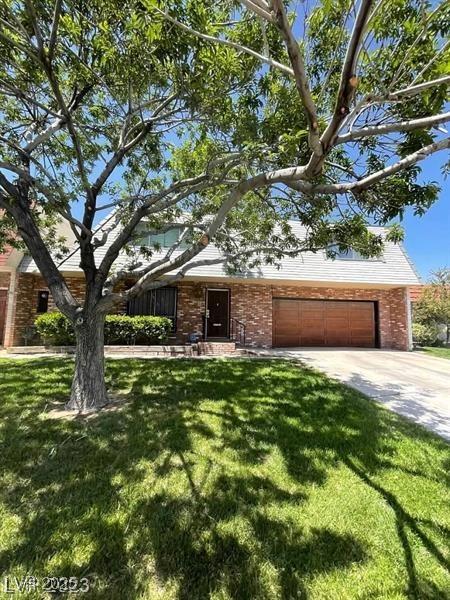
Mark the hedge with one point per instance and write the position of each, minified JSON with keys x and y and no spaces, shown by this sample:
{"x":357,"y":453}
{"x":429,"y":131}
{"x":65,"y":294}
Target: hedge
{"x":55,"y":329}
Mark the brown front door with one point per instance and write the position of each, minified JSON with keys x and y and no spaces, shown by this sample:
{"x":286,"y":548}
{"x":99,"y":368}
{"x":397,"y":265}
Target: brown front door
{"x":3,"y":299}
{"x":217,"y":311}
{"x":323,"y":323}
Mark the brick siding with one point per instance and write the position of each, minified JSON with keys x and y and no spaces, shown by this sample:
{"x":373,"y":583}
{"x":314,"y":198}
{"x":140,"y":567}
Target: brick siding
{"x":4,"y":280}
{"x":252,"y":304}
{"x":25,"y":303}
{"x":249,"y":303}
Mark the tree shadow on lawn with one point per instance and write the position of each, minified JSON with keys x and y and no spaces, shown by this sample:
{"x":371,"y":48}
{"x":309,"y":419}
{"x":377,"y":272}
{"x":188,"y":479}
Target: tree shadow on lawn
{"x":179,"y":488}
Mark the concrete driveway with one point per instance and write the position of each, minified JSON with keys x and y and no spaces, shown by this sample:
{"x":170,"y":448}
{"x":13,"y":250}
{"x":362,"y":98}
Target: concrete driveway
{"x":410,"y":383}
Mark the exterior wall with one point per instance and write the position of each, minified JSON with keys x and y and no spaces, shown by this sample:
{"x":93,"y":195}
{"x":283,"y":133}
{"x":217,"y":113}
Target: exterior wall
{"x":25,"y":304}
{"x":5,"y":281}
{"x":252,"y":304}
{"x":416,"y":291}
{"x":249,"y":303}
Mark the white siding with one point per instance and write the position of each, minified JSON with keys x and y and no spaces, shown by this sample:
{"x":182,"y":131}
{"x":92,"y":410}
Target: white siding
{"x":395,"y":268}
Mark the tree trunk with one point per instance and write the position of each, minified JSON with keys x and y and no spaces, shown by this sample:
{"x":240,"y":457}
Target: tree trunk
{"x":88,"y":386}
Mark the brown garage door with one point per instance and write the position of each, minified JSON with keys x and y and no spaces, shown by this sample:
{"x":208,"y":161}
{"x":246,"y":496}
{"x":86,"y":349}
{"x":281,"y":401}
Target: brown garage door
{"x":3,"y":297}
{"x":323,"y":323}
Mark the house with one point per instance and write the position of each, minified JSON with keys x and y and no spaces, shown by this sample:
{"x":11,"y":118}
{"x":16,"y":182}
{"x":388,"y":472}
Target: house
{"x":311,"y":300}
{"x":16,"y":312}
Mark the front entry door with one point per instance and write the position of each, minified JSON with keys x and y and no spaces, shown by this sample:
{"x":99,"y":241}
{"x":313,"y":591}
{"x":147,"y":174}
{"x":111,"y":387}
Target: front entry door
{"x":217,"y":307}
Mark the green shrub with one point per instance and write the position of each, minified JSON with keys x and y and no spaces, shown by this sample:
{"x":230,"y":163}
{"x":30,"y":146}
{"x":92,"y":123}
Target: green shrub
{"x":425,"y":334}
{"x":55,"y":329}
{"x":120,"y":329}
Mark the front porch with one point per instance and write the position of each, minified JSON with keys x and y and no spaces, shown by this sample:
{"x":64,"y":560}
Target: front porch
{"x":207,"y":313}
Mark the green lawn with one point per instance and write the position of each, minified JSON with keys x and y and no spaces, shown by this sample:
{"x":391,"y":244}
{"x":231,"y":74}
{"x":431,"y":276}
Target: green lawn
{"x":243,"y":479}
{"x":439,"y":352}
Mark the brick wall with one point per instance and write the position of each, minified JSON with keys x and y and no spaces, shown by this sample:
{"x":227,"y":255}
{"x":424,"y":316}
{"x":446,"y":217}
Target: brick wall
{"x":249,"y":303}
{"x":252,"y":304}
{"x":25,"y":303}
{"x":392,"y":312}
{"x":4,"y":280}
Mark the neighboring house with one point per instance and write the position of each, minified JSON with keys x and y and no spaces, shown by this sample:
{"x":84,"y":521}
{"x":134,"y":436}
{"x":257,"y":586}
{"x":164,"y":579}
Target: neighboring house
{"x":310,"y":301}
{"x":415,"y":293}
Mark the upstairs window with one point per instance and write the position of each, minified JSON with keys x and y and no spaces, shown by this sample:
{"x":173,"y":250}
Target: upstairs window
{"x":165,"y":240}
{"x":351,"y":254}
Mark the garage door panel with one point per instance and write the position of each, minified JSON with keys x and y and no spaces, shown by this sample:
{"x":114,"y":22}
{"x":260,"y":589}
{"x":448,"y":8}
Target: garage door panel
{"x":312,"y":341}
{"x":312,"y":324}
{"x":323,"y":323}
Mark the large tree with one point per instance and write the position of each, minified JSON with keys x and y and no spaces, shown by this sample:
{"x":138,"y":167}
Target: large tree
{"x":227,"y":118}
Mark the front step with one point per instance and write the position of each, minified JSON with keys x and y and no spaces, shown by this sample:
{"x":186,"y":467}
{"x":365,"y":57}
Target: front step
{"x":206,"y":348}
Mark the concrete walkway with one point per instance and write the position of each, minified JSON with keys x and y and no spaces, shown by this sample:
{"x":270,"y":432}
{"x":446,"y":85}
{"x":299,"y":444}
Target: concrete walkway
{"x":412,"y":384}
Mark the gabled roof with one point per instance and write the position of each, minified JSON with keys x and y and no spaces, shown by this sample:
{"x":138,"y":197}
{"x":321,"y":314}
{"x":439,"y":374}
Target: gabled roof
{"x":394,"y":268}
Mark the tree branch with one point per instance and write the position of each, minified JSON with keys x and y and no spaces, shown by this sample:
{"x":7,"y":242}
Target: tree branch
{"x":230,"y":44}
{"x":410,"y":125}
{"x":357,"y":186}
{"x":349,"y":80}
{"x":58,"y":123}
{"x":30,"y":234}
{"x":54,"y":30}
{"x":301,"y":80}
{"x":259,"y":8}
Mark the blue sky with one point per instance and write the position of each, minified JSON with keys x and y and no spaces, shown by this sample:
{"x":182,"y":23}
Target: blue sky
{"x":427,"y":238}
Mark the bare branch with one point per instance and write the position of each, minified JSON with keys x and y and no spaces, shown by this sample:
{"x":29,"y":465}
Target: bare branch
{"x":370,"y":100}
{"x":370,"y":180}
{"x":259,"y":8}
{"x":58,"y":123}
{"x":349,"y":80}
{"x":412,"y":90}
{"x":410,"y":125}
{"x":54,"y":31}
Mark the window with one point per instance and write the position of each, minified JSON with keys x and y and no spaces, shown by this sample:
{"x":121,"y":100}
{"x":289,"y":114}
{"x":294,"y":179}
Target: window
{"x":350,"y":254}
{"x":42,"y":302}
{"x":165,"y":240}
{"x":159,"y":303}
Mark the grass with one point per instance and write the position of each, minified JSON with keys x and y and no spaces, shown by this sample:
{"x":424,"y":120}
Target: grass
{"x":243,"y":479}
{"x":439,"y":352}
